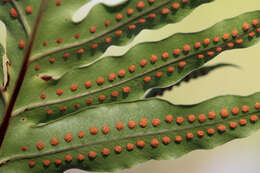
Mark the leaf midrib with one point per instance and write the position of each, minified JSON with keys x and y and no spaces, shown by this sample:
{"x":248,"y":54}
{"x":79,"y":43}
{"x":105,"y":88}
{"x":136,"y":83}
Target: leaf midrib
{"x":31,"y":156}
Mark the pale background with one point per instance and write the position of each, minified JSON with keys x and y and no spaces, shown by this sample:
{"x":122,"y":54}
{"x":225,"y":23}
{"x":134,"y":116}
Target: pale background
{"x":238,"y":156}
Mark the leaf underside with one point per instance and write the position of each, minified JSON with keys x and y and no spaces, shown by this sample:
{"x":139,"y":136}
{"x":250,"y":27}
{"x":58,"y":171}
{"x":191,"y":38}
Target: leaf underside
{"x":73,"y":104}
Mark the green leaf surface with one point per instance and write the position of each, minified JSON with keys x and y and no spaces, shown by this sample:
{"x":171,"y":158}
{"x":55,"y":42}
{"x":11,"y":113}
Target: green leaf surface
{"x":153,"y":125}
{"x":135,"y":81}
{"x":53,"y":44}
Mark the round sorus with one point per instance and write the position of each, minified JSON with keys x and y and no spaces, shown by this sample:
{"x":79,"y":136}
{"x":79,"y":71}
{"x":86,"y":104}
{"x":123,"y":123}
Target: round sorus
{"x":80,"y":157}
{"x":179,"y":120}
{"x":105,"y":152}
{"x":58,"y":162}
{"x":182,"y":64}
{"x":119,"y":16}
{"x":216,"y":39}
{"x":49,"y":111}
{"x":76,"y":36}
{"x":253,"y":118}
{"x":121,"y":73}
{"x":94,"y":45}
{"x":80,"y":51}
{"x":202,"y":118}
{"x":234,"y":33}
{"x":245,"y":108}
{"x":230,"y":45}
{"x":143,"y":122}
{"x":46,"y":163}
{"x":218,"y":49}
{"x":165,"y":11}
{"x":170,"y":69}
{"x":21,"y":44}
{"x":221,"y":128}
{"x":251,"y":34}
{"x":242,"y":122}
{"x":108,"y":39}
{"x":212,"y":115}
{"x":184,"y":1}
{"x":158,"y":74}
{"x":210,"y":53}
{"x":246,"y":27}
{"x":105,"y":130}
{"x":156,"y":122}
{"x":189,"y":135}
{"x":255,"y":22}
{"x":32,"y":164}
{"x":168,"y":118}
{"x":111,"y":76}
{"x":140,"y":144}
{"x":151,"y":1}
{"x":118,"y":149}
{"x":93,"y":130}
{"x":200,"y":56}
{"x":143,"y":62}
{"x":130,"y":11}
{"x":88,"y":84}
{"x":140,"y":5}
{"x":200,"y":133}
{"x":141,"y":21}
{"x":40,"y":145}
{"x":239,"y":41}
{"x":100,"y":81}
{"x":211,"y":131}
{"x":132,"y":27}
{"x":24,"y":148}
{"x":225,"y":36}
{"x":89,"y":101}
{"x":197,"y":45}
{"x":68,"y":158}
{"x":232,"y":125}
{"x":119,"y":126}
{"x":131,"y":124}
{"x":126,"y":89}
{"x":59,"y":40}
{"x":176,"y":52}
{"x":235,"y":110}
{"x":107,"y":23}
{"x":165,"y":55}
{"x":73,"y":87}
{"x":68,"y":137}
{"x":115,"y":94}
{"x":13,"y":13}
{"x":186,"y":48}
{"x":130,"y":146}
{"x":43,"y":96}
{"x":58,"y":2}
{"x":224,"y":113}
{"x":101,"y":97}
{"x":166,"y":140}
{"x":59,"y":92}
{"x":191,"y":118}
{"x":257,"y":105}
{"x":92,"y":155}
{"x":206,"y":41}
{"x":81,"y":134}
{"x":118,"y":32}
{"x":147,"y":79}
{"x":54,"y":141}
{"x":28,"y":10}
{"x":131,"y":68}
{"x":178,"y":139}
{"x":153,"y":59}
{"x":52,"y":60}
{"x":66,"y":55}
{"x":175,"y":6}
{"x":152,"y":15}
{"x":154,"y":143}
{"x":92,"y":29}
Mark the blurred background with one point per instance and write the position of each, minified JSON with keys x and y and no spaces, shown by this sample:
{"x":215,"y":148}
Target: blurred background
{"x":238,"y":156}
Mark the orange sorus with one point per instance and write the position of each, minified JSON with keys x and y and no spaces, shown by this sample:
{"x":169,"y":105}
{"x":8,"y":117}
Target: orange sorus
{"x":224,"y":113}
{"x":156,"y":122}
{"x":245,"y":108}
{"x":211,"y":131}
{"x":235,"y":110}
{"x":242,"y":122}
{"x":191,"y":118}
{"x":143,"y":122}
{"x":140,"y":144}
{"x":92,"y":155}
{"x":119,"y":126}
{"x":175,"y":6}
{"x":212,"y":115}
{"x":166,"y":140}
{"x":154,"y":143}
{"x":105,"y":151}
{"x":121,"y":73}
{"x":118,"y":149}
{"x":189,"y":135}
{"x":68,"y":158}
{"x":179,"y":120}
{"x":140,"y":5}
{"x":105,"y":130}
{"x":54,"y":141}
{"x":92,"y":29}
{"x":28,"y":10}
{"x":131,"y":124}
{"x":81,"y":134}
{"x":178,"y":139}
{"x":253,"y":118}
{"x":130,"y":11}
{"x":221,"y":128}
{"x":100,"y":80}
{"x":93,"y":130}
{"x":88,"y":84}
{"x":130,"y":146}
{"x":232,"y":125}
{"x":202,"y":118}
{"x":119,"y":16}
{"x":200,"y":133}
{"x":68,"y":137}
{"x":80,"y":157}
{"x":13,"y":13}
{"x":169,"y":118}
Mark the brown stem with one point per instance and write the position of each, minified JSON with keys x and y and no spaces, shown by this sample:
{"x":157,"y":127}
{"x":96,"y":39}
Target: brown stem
{"x":20,"y":79}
